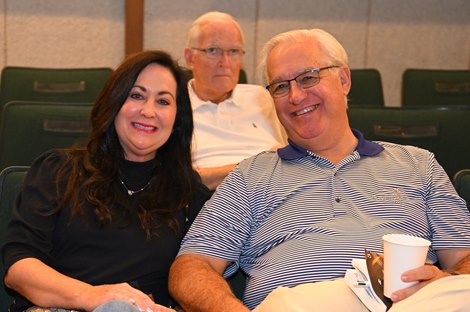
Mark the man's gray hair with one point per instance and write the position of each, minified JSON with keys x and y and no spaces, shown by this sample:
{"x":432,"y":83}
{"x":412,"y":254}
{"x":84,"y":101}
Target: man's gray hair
{"x":333,"y":51}
{"x":194,"y":32}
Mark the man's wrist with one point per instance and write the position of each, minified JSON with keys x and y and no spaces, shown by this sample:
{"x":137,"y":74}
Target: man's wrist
{"x":452,"y":272}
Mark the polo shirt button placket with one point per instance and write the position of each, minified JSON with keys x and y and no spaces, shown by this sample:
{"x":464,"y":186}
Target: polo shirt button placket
{"x":335,"y":172}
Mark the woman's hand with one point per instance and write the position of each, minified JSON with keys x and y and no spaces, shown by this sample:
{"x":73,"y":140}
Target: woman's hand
{"x":97,"y":295}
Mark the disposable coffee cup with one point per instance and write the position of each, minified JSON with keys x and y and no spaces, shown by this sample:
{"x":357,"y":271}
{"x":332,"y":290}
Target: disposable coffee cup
{"x":402,"y":253}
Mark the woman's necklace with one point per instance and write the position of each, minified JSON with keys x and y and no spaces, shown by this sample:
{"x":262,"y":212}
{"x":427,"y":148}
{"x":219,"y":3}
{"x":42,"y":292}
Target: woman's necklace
{"x":131,"y":192}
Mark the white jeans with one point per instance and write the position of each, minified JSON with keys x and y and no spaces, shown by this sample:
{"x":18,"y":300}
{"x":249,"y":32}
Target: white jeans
{"x":449,"y":294}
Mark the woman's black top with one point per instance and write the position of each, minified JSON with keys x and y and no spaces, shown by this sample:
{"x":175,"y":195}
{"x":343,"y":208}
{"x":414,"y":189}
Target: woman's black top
{"x":88,"y":251}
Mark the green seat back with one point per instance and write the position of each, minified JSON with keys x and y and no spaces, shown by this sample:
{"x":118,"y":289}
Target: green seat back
{"x":435,"y":87}
{"x":441,"y":130}
{"x":11,"y":179}
{"x":27,"y":129}
{"x":237,"y":283}
{"x":366,"y":88}
{"x":71,"y":85}
{"x":242,"y":77}
{"x":461,"y":181}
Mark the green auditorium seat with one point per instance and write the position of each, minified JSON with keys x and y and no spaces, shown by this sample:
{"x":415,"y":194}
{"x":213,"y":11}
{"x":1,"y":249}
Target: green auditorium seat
{"x":28,"y":129}
{"x":237,"y":283}
{"x":66,"y":85}
{"x":435,"y":87}
{"x":461,"y":181}
{"x":366,"y":88}
{"x":11,"y":179}
{"x":442,"y":130}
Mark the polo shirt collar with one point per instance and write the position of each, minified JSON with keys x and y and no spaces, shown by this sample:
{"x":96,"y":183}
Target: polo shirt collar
{"x":364,"y":148}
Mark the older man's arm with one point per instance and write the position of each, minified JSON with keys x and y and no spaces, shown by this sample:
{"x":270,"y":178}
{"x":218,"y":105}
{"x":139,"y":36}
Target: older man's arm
{"x":196,"y":282}
{"x":213,"y":176}
{"x":452,"y":261}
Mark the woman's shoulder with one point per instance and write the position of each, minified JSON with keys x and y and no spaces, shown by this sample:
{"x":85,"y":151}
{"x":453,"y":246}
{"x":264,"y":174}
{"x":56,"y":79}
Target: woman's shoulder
{"x":51,"y":161}
{"x":200,"y":197}
{"x":50,"y":158}
{"x":202,"y":193}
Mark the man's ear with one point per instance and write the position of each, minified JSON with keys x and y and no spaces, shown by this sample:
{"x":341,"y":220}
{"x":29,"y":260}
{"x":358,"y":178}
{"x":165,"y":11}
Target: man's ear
{"x":188,"y":57}
{"x":345,"y":78}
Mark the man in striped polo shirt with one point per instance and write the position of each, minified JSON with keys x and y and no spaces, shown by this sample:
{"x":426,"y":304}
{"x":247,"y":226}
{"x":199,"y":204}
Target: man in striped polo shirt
{"x":299,"y":215}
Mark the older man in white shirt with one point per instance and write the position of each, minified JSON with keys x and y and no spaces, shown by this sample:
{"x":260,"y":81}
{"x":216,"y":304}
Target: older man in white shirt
{"x":231,"y":121}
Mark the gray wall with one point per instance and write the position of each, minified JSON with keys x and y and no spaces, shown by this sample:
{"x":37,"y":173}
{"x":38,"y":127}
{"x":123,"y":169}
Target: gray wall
{"x":390,"y":35}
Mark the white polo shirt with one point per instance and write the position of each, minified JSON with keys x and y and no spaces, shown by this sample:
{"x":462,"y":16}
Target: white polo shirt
{"x":241,"y":126}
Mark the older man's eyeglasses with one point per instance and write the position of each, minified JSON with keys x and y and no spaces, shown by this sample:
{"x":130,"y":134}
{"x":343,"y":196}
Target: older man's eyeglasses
{"x":216,"y":53}
{"x":305,"y":80}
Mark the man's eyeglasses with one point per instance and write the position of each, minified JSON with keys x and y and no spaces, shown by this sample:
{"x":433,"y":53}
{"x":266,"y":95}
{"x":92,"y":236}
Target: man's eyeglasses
{"x":305,"y":80}
{"x":217,"y":53}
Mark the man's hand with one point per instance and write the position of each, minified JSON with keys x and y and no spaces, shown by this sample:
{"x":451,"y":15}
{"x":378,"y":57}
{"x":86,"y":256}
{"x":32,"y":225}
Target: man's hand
{"x":456,"y":260}
{"x":424,"y":275}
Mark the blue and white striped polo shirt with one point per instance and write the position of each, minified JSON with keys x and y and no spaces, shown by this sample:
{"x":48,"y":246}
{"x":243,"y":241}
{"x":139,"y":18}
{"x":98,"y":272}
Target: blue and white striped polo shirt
{"x":292,"y":217}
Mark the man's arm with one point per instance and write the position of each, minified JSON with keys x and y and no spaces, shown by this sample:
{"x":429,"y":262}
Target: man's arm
{"x":213,"y":176}
{"x":196,"y":282}
{"x":452,"y":261}
{"x":455,"y":259}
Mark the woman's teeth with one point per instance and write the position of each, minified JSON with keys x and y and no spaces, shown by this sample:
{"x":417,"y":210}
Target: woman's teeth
{"x":147,"y":128}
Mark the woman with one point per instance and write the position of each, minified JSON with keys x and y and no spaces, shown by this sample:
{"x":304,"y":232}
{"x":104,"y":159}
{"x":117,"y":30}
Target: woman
{"x":105,"y":222}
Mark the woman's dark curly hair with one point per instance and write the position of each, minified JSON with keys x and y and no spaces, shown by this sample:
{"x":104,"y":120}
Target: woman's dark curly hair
{"x":94,"y":170}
